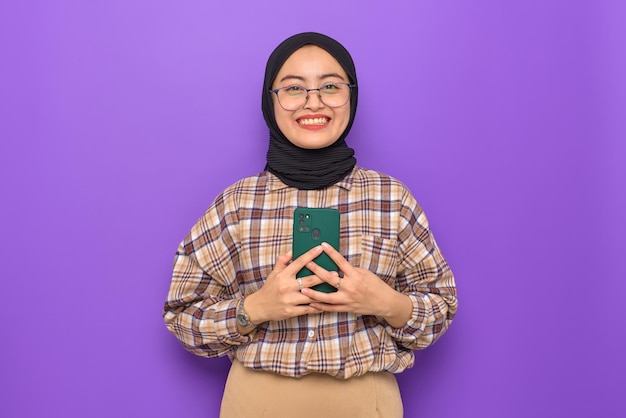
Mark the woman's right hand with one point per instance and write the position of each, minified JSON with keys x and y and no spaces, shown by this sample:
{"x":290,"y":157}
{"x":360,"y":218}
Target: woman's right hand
{"x":280,"y":296}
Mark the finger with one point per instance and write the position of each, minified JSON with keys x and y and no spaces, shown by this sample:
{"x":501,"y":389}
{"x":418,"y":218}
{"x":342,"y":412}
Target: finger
{"x":299,"y":263}
{"x":331,"y":277}
{"x":306,"y":309}
{"x":302,"y":301}
{"x":336,"y":256}
{"x":282,"y":261}
{"x":310,"y":281}
{"x":329,"y":307}
{"x":320,"y":298}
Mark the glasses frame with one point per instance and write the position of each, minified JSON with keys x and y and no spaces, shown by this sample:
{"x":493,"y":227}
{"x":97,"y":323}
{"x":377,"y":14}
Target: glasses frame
{"x":306,"y":98}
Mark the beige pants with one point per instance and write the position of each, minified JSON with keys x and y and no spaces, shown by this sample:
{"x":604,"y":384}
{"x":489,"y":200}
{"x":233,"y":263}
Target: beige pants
{"x":250,"y":394}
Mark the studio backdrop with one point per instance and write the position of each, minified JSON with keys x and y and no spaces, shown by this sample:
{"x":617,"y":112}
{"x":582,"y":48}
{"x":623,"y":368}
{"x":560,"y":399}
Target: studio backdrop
{"x":120,"y":121}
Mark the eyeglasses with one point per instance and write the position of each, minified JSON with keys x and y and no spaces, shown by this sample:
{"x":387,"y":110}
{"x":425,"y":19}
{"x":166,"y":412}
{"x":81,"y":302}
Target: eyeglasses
{"x":331,"y":94}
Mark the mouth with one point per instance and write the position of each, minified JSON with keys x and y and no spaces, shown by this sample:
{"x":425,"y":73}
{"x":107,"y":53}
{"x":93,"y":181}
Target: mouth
{"x":317,"y":121}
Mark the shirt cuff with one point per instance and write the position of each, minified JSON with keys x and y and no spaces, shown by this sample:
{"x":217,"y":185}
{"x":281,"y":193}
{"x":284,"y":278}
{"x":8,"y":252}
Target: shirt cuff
{"x":414,"y":327}
{"x":226,"y":324}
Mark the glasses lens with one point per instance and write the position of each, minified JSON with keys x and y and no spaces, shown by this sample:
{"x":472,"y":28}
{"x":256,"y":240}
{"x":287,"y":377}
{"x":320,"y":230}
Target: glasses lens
{"x":335,"y":94}
{"x":332,"y":94}
{"x":292,"y":97}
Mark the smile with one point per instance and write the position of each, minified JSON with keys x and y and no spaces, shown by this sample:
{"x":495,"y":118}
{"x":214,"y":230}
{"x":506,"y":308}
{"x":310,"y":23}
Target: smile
{"x":313,"y":121}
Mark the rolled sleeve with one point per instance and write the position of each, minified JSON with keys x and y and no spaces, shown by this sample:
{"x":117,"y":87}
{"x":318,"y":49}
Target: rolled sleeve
{"x":425,"y":325}
{"x":201,"y":306}
{"x":426,"y":278}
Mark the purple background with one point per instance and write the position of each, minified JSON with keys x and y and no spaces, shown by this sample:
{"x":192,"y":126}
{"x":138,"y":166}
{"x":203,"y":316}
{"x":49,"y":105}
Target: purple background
{"x":121,"y":120}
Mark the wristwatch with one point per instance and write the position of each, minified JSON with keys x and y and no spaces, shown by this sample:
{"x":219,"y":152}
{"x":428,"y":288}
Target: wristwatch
{"x":242,"y":318}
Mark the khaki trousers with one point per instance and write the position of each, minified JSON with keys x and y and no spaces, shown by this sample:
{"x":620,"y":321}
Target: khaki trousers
{"x":251,"y":393}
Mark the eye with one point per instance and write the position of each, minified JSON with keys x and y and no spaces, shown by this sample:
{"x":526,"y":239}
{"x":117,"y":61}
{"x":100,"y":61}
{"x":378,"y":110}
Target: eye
{"x":294,"y":90}
{"x":330,"y":88}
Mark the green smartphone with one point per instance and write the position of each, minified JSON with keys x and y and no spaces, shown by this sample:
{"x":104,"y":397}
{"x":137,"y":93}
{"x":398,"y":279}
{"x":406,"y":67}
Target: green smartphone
{"x":311,"y":227}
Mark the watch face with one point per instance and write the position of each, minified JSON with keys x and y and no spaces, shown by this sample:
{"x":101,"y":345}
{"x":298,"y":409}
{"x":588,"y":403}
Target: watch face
{"x":242,"y":318}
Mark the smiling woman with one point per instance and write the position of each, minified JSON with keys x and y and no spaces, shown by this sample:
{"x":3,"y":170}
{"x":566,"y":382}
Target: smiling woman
{"x":307,"y":67}
{"x":297,"y":351}
{"x":314,"y":124}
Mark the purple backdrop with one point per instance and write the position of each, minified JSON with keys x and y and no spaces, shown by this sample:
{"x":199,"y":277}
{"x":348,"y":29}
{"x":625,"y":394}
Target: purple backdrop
{"x":121,"y":120}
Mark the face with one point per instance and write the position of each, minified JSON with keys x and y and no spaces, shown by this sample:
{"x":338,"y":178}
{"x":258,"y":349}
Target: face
{"x":315,"y":125}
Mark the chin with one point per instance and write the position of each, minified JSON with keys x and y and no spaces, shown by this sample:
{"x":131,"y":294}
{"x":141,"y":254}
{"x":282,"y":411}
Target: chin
{"x":313,"y":141}
{"x":308,"y":144}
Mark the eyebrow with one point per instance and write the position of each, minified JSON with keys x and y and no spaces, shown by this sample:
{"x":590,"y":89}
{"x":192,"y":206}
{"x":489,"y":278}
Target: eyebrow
{"x":322,"y":77}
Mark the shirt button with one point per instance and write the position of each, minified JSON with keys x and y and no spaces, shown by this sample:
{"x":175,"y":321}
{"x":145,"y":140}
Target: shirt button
{"x":311,"y":333}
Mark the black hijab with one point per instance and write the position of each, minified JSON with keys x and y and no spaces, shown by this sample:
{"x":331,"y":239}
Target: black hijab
{"x":298,"y":167}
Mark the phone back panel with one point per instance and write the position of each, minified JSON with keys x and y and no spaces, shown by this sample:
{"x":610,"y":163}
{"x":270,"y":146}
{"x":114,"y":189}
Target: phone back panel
{"x":311,"y":227}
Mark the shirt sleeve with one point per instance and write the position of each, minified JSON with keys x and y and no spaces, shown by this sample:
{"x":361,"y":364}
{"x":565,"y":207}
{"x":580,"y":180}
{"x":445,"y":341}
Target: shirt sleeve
{"x":425,"y":276}
{"x":201,"y":306}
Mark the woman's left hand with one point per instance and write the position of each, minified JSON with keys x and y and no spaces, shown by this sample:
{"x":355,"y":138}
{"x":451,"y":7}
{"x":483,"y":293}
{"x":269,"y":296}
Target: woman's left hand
{"x":359,"y":291}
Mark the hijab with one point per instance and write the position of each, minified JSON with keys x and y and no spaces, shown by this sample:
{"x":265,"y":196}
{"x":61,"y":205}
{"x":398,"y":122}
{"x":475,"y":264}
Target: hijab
{"x":298,"y":167}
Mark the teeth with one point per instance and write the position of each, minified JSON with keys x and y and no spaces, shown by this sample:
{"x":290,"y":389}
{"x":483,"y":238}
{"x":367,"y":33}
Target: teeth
{"x":315,"y":121}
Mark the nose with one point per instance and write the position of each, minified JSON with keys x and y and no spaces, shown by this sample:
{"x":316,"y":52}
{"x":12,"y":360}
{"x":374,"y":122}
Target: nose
{"x":314,"y":99}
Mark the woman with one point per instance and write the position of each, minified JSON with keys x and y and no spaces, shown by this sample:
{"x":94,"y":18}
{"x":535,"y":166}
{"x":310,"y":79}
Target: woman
{"x":297,"y":352}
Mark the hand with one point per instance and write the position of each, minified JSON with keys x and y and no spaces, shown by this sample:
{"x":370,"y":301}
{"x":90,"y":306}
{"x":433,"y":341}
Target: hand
{"x":280,"y":297}
{"x":359,"y":291}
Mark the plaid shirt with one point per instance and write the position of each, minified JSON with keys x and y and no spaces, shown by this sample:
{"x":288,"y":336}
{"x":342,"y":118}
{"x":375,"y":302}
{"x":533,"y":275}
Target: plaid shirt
{"x":234,"y":246}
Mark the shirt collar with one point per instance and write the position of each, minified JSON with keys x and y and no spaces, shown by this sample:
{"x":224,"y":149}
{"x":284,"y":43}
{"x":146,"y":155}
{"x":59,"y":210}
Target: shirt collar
{"x":274,"y":183}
